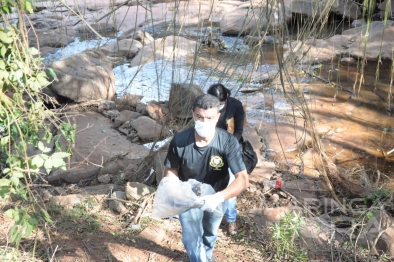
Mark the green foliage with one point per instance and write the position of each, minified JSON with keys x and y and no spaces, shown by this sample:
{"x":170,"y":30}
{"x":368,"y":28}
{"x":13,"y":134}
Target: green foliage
{"x":378,"y":195}
{"x":284,"y":235}
{"x":80,"y":218}
{"x":25,"y":223}
{"x":7,"y":5}
{"x":23,"y":116}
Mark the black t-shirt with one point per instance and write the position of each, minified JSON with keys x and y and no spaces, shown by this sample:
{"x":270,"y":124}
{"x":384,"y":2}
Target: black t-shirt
{"x":207,"y":164}
{"x":233,"y":108}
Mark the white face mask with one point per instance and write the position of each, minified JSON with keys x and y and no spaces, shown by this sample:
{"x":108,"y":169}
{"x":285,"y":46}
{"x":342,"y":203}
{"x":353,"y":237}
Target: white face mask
{"x":221,"y":107}
{"x":204,"y":129}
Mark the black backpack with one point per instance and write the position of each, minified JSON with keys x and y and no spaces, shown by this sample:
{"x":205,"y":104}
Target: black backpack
{"x":248,"y":155}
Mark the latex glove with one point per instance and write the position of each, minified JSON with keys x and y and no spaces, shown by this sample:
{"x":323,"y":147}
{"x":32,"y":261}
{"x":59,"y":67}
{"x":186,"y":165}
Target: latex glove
{"x":211,"y":202}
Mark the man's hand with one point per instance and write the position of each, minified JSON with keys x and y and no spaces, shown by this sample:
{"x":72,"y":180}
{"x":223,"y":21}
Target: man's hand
{"x":211,"y":202}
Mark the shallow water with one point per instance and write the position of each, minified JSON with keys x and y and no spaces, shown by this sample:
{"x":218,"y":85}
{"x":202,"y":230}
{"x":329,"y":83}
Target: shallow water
{"x":74,"y":48}
{"x":358,"y":128}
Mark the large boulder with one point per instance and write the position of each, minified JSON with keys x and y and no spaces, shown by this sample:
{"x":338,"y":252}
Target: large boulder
{"x":96,"y":142}
{"x":248,"y":19}
{"x":84,"y":77}
{"x":164,"y":48}
{"x":311,"y":53}
{"x":49,"y":38}
{"x":181,"y":99}
{"x":143,"y":37}
{"x":378,"y":41}
{"x":124,"y":48}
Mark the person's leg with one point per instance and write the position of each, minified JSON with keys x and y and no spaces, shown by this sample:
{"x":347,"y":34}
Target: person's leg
{"x":210,"y":223}
{"x":192,"y":234}
{"x":231,"y":212}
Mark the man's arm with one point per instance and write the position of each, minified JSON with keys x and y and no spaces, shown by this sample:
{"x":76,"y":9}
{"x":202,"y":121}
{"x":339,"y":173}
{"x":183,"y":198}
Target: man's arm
{"x":171,"y":172}
{"x":240,"y":183}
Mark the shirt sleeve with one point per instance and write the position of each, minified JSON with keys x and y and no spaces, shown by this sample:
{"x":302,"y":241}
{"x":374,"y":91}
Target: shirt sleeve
{"x":234,"y":157}
{"x":239,"y":118}
{"x":172,"y":159}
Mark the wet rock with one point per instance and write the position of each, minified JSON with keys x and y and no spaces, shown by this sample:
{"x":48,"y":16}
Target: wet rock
{"x":163,"y":48}
{"x":246,"y":18}
{"x":148,"y":129}
{"x":181,"y":99}
{"x":128,"y":102}
{"x":67,"y":201}
{"x":135,"y":190}
{"x":159,"y":165}
{"x":125,"y":115}
{"x":143,"y":37}
{"x":127,"y":48}
{"x":117,"y":206}
{"x":105,"y":179}
{"x":85,"y":76}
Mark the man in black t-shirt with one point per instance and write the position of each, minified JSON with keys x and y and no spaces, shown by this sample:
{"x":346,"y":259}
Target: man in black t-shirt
{"x":205,"y":153}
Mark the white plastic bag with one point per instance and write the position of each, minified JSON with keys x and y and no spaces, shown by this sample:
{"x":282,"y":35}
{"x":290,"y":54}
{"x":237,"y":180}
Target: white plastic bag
{"x":174,"y":196}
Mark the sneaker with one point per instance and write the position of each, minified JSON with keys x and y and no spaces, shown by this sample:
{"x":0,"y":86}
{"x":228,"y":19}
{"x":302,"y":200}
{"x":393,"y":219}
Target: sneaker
{"x":232,"y":228}
{"x":212,"y":259}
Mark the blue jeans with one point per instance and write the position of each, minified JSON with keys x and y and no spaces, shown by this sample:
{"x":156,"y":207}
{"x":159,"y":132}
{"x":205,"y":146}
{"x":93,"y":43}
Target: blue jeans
{"x":199,"y":232}
{"x":231,"y":212}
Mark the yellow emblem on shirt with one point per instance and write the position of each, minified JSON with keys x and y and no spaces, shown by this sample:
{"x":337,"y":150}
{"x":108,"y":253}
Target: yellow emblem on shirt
{"x":216,"y":162}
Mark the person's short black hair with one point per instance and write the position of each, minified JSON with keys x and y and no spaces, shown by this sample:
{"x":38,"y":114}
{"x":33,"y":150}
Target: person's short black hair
{"x":220,"y":91}
{"x":206,"y":101}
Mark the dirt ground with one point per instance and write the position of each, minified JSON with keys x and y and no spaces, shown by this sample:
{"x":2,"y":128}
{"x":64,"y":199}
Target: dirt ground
{"x":88,"y":233}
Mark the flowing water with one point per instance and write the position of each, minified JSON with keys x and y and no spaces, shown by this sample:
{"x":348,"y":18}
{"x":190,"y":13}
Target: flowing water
{"x":354,"y":120}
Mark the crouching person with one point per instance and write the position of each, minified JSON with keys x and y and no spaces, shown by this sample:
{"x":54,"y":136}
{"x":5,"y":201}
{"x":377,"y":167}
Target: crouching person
{"x":205,"y":153}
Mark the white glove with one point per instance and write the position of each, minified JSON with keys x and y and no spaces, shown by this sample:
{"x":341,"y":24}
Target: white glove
{"x":211,"y":202}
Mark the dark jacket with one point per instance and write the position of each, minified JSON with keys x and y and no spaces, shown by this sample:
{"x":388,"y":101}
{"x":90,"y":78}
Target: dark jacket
{"x":232,"y":108}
